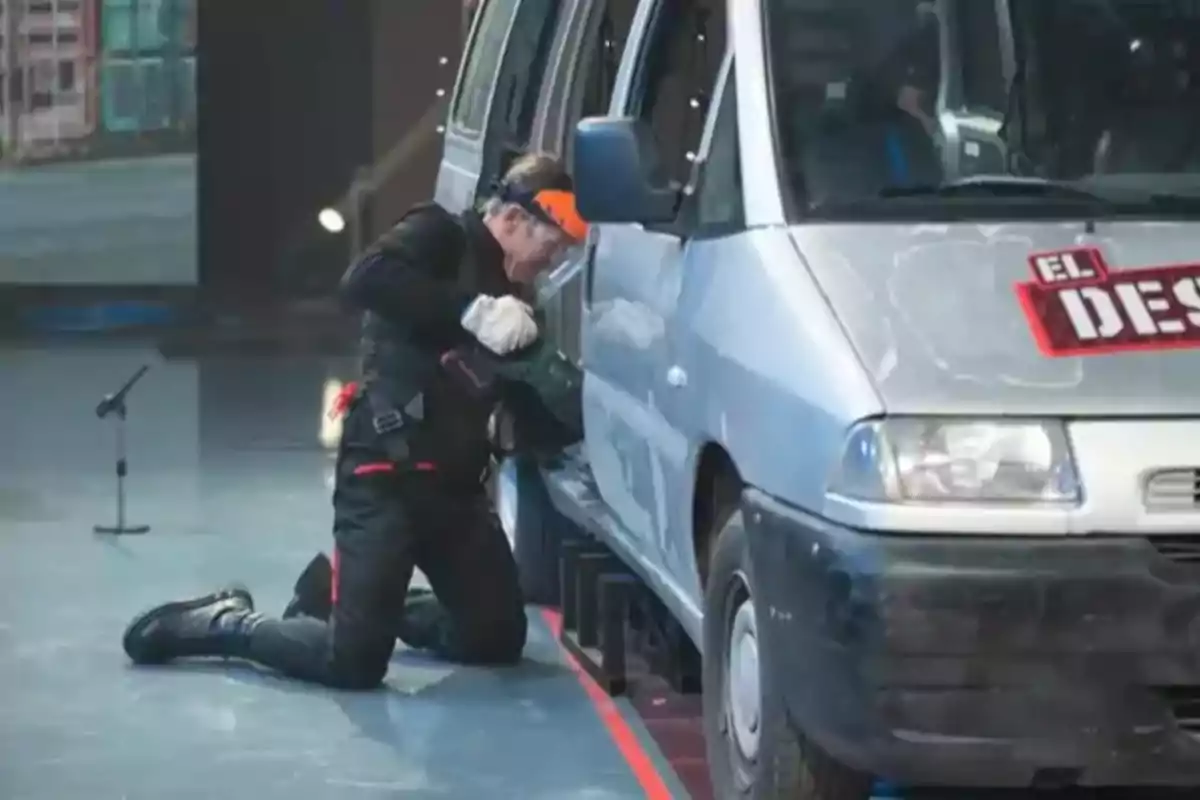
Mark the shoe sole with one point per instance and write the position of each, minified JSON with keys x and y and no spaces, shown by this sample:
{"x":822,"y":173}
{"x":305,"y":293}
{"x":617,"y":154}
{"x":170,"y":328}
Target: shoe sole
{"x":139,"y":623}
{"x":239,"y":591}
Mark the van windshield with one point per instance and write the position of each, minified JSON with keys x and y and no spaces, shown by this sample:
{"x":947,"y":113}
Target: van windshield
{"x":1086,"y":103}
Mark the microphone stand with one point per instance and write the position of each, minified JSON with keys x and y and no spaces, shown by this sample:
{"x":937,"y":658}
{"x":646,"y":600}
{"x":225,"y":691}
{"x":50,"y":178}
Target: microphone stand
{"x":114,"y":404}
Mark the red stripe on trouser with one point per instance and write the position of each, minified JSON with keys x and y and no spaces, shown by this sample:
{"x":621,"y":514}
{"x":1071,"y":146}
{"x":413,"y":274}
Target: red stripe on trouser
{"x":383,"y":466}
{"x":369,"y":469}
{"x":372,"y":468}
{"x":333,"y":582}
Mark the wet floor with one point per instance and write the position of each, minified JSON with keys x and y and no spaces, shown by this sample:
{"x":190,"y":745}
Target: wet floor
{"x":227,"y":466}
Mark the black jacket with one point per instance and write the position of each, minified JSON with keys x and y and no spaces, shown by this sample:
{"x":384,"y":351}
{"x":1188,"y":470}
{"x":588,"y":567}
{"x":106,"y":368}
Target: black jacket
{"x":413,"y":286}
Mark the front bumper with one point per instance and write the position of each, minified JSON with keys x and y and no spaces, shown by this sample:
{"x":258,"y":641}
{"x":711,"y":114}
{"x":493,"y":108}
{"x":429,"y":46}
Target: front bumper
{"x":970,"y":661}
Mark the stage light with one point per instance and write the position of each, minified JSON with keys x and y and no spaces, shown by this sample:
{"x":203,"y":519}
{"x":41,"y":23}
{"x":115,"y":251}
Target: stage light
{"x":331,"y":220}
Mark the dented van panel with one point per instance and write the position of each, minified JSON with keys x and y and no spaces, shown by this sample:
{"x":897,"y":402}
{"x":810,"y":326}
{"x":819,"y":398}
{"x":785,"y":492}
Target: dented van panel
{"x":1037,"y":319}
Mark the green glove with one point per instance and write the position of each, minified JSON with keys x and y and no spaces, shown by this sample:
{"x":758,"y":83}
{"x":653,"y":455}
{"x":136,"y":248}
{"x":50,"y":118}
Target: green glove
{"x":543,"y":390}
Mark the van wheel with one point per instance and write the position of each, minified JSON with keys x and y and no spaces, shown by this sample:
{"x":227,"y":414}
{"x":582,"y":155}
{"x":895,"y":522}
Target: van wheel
{"x":533,"y":527}
{"x":753,"y":750}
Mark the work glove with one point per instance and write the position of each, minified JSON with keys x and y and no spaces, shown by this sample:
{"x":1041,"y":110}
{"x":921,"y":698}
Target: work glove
{"x":503,"y":325}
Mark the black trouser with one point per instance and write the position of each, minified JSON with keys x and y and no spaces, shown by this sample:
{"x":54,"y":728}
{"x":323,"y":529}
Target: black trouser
{"x":387,"y":520}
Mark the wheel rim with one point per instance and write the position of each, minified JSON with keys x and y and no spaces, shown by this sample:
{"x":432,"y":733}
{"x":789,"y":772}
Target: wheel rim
{"x":743,"y":697}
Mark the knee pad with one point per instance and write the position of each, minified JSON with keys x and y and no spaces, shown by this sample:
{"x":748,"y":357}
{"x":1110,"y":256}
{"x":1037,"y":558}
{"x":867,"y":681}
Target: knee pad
{"x":358,"y":674}
{"x":506,"y":642}
{"x":360,"y":654}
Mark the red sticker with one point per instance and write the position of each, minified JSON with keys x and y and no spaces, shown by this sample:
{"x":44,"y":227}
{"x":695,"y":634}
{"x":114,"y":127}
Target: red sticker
{"x":1076,"y":306}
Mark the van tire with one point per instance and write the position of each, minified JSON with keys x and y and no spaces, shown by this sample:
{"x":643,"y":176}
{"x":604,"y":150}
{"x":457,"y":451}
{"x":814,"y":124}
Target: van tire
{"x":784,"y":764}
{"x":523,"y":504}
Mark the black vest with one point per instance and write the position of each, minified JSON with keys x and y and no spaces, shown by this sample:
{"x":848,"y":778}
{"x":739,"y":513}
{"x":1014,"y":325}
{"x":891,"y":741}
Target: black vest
{"x":411,"y":398}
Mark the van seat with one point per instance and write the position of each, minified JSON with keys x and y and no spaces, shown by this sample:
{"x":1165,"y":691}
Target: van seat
{"x":846,"y":160}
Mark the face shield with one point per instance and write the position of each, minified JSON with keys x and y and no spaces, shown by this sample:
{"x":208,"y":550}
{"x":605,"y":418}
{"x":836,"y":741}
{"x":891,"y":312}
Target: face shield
{"x":553,"y":281}
{"x":556,"y":232}
{"x":555,"y":228}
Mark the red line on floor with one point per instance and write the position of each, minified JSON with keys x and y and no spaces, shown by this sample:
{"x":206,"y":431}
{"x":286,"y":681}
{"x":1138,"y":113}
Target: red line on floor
{"x":639,"y":761}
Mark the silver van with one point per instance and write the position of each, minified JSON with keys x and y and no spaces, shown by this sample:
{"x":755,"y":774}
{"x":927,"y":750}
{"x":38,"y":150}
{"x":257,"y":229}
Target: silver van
{"x":888,"y":324}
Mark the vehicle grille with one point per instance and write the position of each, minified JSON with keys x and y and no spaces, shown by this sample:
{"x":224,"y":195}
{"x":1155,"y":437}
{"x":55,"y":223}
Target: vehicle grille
{"x":1185,"y":706}
{"x":1173,"y":490}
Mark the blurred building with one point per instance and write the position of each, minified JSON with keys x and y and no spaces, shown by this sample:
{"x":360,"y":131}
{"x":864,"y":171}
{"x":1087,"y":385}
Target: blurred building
{"x":82,"y":77}
{"x":46,"y":54}
{"x":148,"y":66}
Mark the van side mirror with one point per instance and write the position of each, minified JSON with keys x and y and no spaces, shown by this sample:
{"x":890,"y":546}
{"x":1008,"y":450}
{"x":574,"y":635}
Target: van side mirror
{"x":616,"y":168}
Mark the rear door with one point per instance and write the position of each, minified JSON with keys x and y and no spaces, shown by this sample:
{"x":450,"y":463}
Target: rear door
{"x":496,"y":94}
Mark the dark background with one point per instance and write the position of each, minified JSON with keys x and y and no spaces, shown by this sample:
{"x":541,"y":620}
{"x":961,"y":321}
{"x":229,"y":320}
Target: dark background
{"x":292,"y":98}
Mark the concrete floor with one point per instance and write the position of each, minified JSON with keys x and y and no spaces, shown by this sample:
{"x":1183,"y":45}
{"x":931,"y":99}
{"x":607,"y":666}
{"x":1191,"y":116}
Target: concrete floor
{"x":128,"y":221}
{"x":227,"y":466}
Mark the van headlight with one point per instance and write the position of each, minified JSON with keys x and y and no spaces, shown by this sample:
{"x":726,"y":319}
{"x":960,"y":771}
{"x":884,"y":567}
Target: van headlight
{"x":929,"y":460}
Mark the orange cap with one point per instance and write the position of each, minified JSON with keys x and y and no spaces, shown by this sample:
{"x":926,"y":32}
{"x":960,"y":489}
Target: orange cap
{"x":559,"y":206}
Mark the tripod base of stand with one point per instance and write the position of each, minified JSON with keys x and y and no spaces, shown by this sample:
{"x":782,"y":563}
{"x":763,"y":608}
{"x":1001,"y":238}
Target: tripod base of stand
{"x":119,"y":530}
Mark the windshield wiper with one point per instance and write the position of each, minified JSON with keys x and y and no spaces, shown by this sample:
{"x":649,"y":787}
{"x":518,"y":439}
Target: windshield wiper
{"x":1000,"y":186}
{"x":1098,"y":200}
{"x":1174,"y":202}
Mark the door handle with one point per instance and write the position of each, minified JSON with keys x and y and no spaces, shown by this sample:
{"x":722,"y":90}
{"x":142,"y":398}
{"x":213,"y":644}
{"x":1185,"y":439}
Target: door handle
{"x":589,"y":273}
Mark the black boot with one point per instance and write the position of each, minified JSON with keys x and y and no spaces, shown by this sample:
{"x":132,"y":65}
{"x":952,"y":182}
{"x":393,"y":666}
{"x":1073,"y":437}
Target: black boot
{"x":313,"y":595}
{"x":216,"y":624}
{"x":425,"y":625}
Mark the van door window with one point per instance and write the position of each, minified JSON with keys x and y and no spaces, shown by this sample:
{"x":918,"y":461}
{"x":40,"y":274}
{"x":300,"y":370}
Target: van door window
{"x":594,"y":75}
{"x":518,"y":88}
{"x":718,"y":181}
{"x":601,"y":72}
{"x":677,"y":68}
{"x":592,"y":80}
{"x":606,"y":43}
{"x":503,"y":79}
{"x":526,"y":56}
{"x":482,"y":64}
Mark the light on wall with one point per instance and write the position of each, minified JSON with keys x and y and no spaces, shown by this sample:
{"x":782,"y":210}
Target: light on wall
{"x":331,"y":220}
